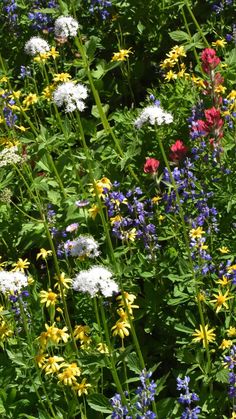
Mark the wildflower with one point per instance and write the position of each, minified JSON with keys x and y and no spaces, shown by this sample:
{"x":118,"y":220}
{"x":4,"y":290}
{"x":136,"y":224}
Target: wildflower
{"x":43,"y":254}
{"x":102,"y":348}
{"x":179,"y":151}
{"x":151,"y":165}
{"x":66,"y":26}
{"x":36,"y":45}
{"x":82,"y":203}
{"x":82,"y":388}
{"x":210,"y":336}
{"x":130,"y":235}
{"x":121,"y":55}
{"x":176,"y":52}
{"x":62,"y":77}
{"x":95,"y":280}
{"x":72,"y":227}
{"x":31,"y":99}
{"x":121,"y":329}
{"x":126,"y":300}
{"x":42,"y":57}
{"x":119,"y":411}
{"x":170,"y":75}
{"x":20,"y":265}
{"x":93,"y":211}
{"x":48,"y":297}
{"x":53,"y":53}
{"x":209,"y":60}
{"x":40,"y":359}
{"x":52,"y":364}
{"x":220,"y":89}
{"x":156,"y":199}
{"x":220,"y":300}
{"x":102,"y":185}
{"x":224,"y":250}
{"x":231,"y":332}
{"x":9,"y":156}
{"x":69,"y":374}
{"x":82,"y":247}
{"x":12,"y":281}
{"x":5,"y":330}
{"x":225,"y":344}
{"x":196,"y":233}
{"x":21,"y":128}
{"x":47,"y":92}
{"x":219,"y":43}
{"x":115,"y":219}
{"x":224,"y":281}
{"x":81,"y":333}
{"x":63,"y":281}
{"x":154,"y":115}
{"x":71,"y":95}
{"x":187,"y":399}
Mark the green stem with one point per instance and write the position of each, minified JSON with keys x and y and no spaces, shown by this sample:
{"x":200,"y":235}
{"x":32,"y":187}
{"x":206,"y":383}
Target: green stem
{"x":196,"y":24}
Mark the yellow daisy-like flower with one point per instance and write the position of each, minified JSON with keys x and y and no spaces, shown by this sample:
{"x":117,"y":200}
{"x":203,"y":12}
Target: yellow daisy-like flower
{"x":196,"y":233}
{"x":225,"y":344}
{"x":170,"y":75}
{"x":121,"y":55}
{"x":20,"y":265}
{"x":42,"y":57}
{"x":224,"y":281}
{"x":220,"y":89}
{"x":53,"y":53}
{"x":52,"y":364}
{"x":123,"y":315}
{"x":15,"y":94}
{"x":43,"y":254}
{"x":232,"y":95}
{"x":198,"y":81}
{"x":156,"y":199}
{"x":231,"y":332}
{"x":121,"y":329}
{"x":31,"y":99}
{"x":69,"y":374}
{"x":93,"y":211}
{"x":161,"y":217}
{"x":220,"y":300}
{"x":81,"y":333}
{"x":201,"y":297}
{"x":41,"y":359}
{"x":219,"y":43}
{"x":210,"y":335}
{"x":126,"y":301}
{"x":4,"y":79}
{"x":224,"y":250}
{"x":102,"y":348}
{"x":231,"y":268}
{"x":48,"y":297}
{"x":100,"y":185}
{"x":177,"y":51}
{"x":61,"y":77}
{"x":47,"y":92}
{"x":2,"y":120}
{"x":5,"y":330}
{"x":115,"y":219}
{"x":62,"y":280}
{"x":130,"y":235}
{"x":82,"y":388}
{"x":168,"y":63}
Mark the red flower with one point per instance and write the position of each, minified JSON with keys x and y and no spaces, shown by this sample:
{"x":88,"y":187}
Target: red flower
{"x":179,"y":150}
{"x":209,"y":60}
{"x":151,"y":165}
{"x":214,"y":122}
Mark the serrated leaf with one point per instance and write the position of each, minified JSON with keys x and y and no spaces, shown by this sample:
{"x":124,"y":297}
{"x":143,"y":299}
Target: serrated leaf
{"x":222,"y":376}
{"x":99,"y":403}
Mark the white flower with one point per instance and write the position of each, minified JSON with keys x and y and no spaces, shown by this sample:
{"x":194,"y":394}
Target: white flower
{"x":71,"y":95}
{"x":9,"y":156}
{"x":66,"y":26}
{"x":95,"y":280}
{"x":154,"y":115}
{"x":36,"y":45}
{"x":82,"y":247}
{"x":12,"y":281}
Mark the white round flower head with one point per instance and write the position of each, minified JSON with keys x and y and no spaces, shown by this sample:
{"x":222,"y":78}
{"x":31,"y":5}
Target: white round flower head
{"x":36,"y":45}
{"x":66,"y":26}
{"x":12,"y":281}
{"x":9,"y":156}
{"x":153,"y":115}
{"x":95,"y":280}
{"x":70,"y":95}
{"x":84,"y":246}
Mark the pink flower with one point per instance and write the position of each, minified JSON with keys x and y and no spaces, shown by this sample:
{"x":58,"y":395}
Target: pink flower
{"x":179,"y":150}
{"x":209,"y":60}
{"x":151,"y":165}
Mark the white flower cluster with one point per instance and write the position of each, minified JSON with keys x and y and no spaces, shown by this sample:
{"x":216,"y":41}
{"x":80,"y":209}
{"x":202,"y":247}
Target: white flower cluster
{"x":12,"y":281}
{"x":71,"y":95}
{"x":66,"y":26}
{"x":95,"y":280}
{"x":82,"y":247}
{"x":154,"y":115}
{"x":9,"y":156}
{"x":36,"y":45}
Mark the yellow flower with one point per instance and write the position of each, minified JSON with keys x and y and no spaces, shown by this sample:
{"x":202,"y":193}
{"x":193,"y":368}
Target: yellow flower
{"x":2,"y":264}
{"x":168,"y":63}
{"x":225,"y":344}
{"x":210,"y":336}
{"x":30,"y":100}
{"x":233,"y":415}
{"x":61,"y":77}
{"x":53,"y":53}
{"x":30,"y":280}
{"x":57,"y":335}
{"x":100,"y":185}
{"x":115,"y":219}
{"x":224,"y":281}
{"x":231,"y":332}
{"x":232,"y":95}
{"x":201,"y":297}
{"x":65,"y":282}
{"x":69,"y":374}
{"x":42,"y":57}
{"x":121,"y":329}
{"x":126,"y":301}
{"x":48,"y":297}
{"x":15,"y":95}
{"x":198,"y":81}
{"x":21,"y":128}
{"x":177,"y":51}
{"x":40,"y":359}
{"x":231,"y":268}
{"x":220,"y":300}
{"x":20,"y":265}
{"x":121,"y":55}
{"x":47,"y":92}
{"x":5,"y":331}
{"x":81,"y":333}
{"x":220,"y":89}
{"x":156,"y":199}
{"x":93,"y":211}
{"x":130,"y":235}
{"x":103,"y":348}
{"x":2,"y":120}
{"x":161,"y":217}
{"x":219,"y":43}
{"x":123,"y":315}
{"x":43,"y":254}
{"x":170,"y":75}
{"x":224,"y":250}
{"x":4,"y":79}
{"x":82,"y":388}
{"x":52,"y":364}
{"x":196,"y":233}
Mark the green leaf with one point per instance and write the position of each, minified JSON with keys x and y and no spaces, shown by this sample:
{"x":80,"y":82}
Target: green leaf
{"x":133,"y":363}
{"x":99,"y":403}
{"x":95,"y":111}
{"x":180,"y":36}
{"x":222,"y":376}
{"x":184,"y":329}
